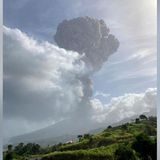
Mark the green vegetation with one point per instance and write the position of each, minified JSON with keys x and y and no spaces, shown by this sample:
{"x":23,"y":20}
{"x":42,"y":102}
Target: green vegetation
{"x":145,"y":146}
{"x":124,"y":152}
{"x":129,"y":141}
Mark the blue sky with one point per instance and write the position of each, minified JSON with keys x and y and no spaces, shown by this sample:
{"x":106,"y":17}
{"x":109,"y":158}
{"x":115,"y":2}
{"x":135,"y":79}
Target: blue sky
{"x":132,"y":69}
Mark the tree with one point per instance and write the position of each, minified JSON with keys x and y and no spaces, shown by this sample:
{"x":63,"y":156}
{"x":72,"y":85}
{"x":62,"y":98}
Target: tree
{"x":109,"y":127}
{"x":87,"y":136}
{"x":150,"y":130}
{"x":35,"y":148}
{"x":153,"y":119}
{"x":142,"y":117}
{"x":145,"y":146}
{"x":79,"y":137}
{"x":29,"y":148}
{"x":19,"y":149}
{"x":90,"y":139}
{"x":10,"y":147}
{"x":124,"y":127}
{"x":9,"y":155}
{"x":124,"y":152}
{"x":137,"y":120}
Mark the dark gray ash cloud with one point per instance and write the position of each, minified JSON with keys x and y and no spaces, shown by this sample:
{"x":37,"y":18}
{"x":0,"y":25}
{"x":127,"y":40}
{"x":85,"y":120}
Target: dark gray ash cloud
{"x":87,"y":35}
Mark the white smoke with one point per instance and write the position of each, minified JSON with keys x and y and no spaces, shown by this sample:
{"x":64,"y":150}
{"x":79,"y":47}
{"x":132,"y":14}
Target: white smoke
{"x":40,"y":79}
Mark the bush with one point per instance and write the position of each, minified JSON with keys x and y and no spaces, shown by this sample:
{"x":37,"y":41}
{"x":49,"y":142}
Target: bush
{"x":145,"y":146}
{"x":142,"y":117}
{"x":8,"y":156}
{"x":30,"y":148}
{"x":150,"y":130}
{"x":124,"y":126}
{"x":78,"y":155}
{"x":153,"y":119}
{"x":137,"y":120}
{"x":124,"y":152}
{"x":109,"y":127}
{"x":105,"y":142}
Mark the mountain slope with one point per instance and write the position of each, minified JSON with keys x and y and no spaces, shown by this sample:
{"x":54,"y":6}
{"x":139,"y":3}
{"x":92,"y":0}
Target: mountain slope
{"x":66,"y":130}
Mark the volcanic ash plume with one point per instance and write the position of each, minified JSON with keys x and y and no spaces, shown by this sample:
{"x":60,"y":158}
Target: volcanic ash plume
{"x":54,"y":84}
{"x":89,"y":36}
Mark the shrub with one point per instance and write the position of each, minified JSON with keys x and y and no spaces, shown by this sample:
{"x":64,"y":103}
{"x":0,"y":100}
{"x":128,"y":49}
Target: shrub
{"x":150,"y":130}
{"x":137,"y":120}
{"x":145,"y":146}
{"x":124,"y":126}
{"x":109,"y":127}
{"x":124,"y":152}
{"x":143,"y":117}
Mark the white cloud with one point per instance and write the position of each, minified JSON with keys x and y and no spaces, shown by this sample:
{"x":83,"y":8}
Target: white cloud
{"x":101,"y":94}
{"x":40,"y":79}
{"x":125,"y":106}
{"x":97,"y":105}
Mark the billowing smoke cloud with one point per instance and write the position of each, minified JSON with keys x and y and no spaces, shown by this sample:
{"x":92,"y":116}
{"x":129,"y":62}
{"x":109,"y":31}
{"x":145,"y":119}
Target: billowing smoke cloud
{"x":89,"y":36}
{"x":40,"y":79}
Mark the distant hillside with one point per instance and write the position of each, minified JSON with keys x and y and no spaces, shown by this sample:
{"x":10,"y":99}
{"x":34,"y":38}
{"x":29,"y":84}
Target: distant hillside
{"x":64,"y":131}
